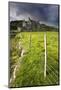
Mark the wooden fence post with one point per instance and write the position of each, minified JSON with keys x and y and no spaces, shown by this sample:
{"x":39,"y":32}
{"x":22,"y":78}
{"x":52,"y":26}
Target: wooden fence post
{"x":45,"y":54}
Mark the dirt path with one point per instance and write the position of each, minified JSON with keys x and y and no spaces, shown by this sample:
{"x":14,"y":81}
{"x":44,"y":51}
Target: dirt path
{"x":17,"y":66}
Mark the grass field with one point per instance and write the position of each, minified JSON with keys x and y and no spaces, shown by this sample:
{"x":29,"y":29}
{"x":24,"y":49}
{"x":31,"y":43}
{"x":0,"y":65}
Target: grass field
{"x":30,"y":70}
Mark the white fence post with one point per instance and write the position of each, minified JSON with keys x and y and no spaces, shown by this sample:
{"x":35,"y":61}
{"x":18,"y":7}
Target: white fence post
{"x":30,"y":41}
{"x":45,"y":55}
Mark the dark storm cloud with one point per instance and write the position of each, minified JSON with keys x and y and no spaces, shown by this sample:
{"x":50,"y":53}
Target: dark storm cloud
{"x":39,"y":12}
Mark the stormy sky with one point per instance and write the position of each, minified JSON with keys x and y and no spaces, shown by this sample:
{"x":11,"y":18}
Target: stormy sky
{"x":44,"y":13}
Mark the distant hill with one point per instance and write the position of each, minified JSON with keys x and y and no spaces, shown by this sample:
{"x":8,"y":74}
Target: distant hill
{"x":31,"y":25}
{"x":48,"y":28}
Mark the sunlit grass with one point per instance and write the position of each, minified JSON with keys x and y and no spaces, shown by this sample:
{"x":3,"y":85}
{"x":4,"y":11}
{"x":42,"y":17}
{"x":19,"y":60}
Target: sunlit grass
{"x":31,"y":71}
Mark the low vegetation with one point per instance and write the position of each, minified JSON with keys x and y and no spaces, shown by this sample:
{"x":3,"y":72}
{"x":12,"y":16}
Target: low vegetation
{"x":31,"y":66}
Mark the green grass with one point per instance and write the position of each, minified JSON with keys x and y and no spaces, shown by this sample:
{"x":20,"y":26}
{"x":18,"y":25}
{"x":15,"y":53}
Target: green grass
{"x":31,"y":70}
